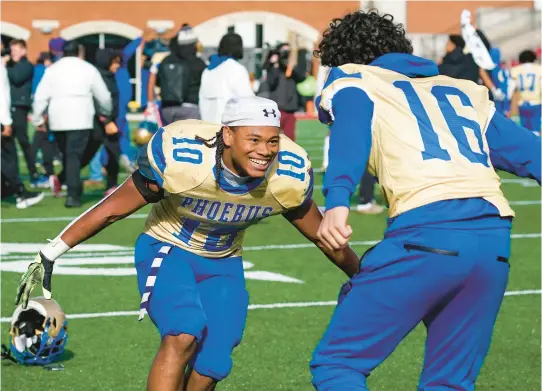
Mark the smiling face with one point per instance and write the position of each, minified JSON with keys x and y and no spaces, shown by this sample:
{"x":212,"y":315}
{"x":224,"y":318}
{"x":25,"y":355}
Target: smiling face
{"x":250,"y":149}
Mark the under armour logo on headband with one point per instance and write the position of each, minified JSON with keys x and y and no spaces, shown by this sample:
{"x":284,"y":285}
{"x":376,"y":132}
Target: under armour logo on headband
{"x":266,"y":113}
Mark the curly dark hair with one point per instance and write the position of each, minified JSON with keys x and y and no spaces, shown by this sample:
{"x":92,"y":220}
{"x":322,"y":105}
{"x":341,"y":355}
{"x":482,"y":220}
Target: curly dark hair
{"x":361,"y":37}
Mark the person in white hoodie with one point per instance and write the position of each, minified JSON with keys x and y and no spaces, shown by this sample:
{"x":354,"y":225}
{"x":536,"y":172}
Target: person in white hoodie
{"x":11,"y":182}
{"x":68,"y":91}
{"x":224,"y":78}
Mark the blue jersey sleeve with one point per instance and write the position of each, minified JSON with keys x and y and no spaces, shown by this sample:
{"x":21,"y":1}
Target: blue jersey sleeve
{"x":145,"y":167}
{"x":130,"y":49}
{"x":349,"y":145}
{"x":513,"y":148}
{"x":143,"y":164}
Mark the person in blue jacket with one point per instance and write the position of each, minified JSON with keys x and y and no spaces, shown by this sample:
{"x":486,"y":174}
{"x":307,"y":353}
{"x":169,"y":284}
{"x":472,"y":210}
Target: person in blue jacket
{"x":122,"y":77}
{"x":125,"y":96}
{"x":500,"y":77}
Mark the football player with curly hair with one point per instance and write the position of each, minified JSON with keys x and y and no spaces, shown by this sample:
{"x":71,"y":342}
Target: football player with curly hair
{"x":434,"y":143}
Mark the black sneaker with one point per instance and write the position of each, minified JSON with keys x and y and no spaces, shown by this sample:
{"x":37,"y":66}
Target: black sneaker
{"x":72,"y":203}
{"x":27,"y":199}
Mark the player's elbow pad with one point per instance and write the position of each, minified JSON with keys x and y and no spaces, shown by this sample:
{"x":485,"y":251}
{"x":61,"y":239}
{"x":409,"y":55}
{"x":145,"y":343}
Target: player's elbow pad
{"x":141,"y":184}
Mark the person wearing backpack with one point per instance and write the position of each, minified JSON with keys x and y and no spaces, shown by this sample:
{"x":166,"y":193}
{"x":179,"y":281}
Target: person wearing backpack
{"x":179,"y":78}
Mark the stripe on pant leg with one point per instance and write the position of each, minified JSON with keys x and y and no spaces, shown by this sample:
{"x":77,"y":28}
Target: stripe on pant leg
{"x":151,"y":282}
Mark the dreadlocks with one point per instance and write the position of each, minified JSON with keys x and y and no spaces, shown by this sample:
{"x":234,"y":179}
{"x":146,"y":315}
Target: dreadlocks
{"x":218,"y":142}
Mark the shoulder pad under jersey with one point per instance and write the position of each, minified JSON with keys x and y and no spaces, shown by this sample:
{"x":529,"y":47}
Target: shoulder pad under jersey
{"x":290,"y":179}
{"x":178,"y":158}
{"x":348,"y":75}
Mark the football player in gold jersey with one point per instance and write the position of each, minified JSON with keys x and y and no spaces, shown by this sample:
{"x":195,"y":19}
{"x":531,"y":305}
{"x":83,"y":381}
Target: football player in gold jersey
{"x":207,"y":184}
{"x":528,"y":95}
{"x":434,"y":143}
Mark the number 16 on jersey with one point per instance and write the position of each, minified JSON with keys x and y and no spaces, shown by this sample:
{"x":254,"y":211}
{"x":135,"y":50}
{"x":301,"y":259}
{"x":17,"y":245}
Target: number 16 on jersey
{"x":455,"y":122}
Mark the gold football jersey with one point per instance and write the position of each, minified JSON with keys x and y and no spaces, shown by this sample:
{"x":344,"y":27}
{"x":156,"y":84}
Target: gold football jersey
{"x":428,"y":137}
{"x":210,"y":220}
{"x":529,"y":83}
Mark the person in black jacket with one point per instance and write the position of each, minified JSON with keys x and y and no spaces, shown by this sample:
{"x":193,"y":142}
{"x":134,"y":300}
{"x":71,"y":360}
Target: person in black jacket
{"x":179,"y":78}
{"x":9,"y":164}
{"x":105,"y":130}
{"x":43,"y":137}
{"x":282,"y":78}
{"x":20,"y":74}
{"x":458,"y":64}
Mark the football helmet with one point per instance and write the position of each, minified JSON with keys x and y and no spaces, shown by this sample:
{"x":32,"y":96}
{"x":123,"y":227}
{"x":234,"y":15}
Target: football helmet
{"x":38,"y":333}
{"x":144,"y":132}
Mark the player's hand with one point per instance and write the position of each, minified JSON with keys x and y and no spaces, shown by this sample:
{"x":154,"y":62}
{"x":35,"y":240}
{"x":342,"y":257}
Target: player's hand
{"x":334,"y":231}
{"x":7,"y":131}
{"x":152,"y":107}
{"x":39,"y":272}
{"x":41,"y":128}
{"x":111,"y":129}
{"x":498,"y":94}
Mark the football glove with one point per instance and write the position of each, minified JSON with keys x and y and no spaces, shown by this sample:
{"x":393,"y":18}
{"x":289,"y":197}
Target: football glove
{"x":498,"y":94}
{"x":39,"y":272}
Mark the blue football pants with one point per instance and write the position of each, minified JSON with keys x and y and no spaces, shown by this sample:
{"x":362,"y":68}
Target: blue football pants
{"x":184,"y":293}
{"x":454,"y":281}
{"x":529,"y":116}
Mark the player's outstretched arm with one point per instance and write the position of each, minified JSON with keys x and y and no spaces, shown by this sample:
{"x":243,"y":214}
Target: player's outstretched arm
{"x":307,"y":219}
{"x":350,"y":146}
{"x":126,"y":200}
{"x":513,"y":148}
{"x":132,"y":195}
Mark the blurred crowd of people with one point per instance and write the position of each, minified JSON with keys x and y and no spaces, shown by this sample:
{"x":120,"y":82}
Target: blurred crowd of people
{"x":515,"y":90}
{"x":79,"y":109}
{"x":74,"y":108}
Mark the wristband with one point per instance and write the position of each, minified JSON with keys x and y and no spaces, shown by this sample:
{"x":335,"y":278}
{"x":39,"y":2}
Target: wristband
{"x":54,"y":249}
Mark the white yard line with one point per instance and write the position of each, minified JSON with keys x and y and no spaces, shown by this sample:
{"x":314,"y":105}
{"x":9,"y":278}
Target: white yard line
{"x":59,"y":218}
{"x":302,"y":245}
{"x":516,"y":181}
{"x":76,"y":253}
{"x":525,"y":236}
{"x":143,"y":216}
{"x":524,"y":203}
{"x":355,"y":243}
{"x":523,"y":182}
{"x":253,"y":307}
{"x":511,"y":203}
{"x":128,"y":251}
{"x":520,"y":181}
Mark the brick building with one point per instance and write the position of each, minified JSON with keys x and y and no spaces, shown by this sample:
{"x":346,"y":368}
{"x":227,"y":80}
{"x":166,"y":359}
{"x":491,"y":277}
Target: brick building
{"x":115,"y":23}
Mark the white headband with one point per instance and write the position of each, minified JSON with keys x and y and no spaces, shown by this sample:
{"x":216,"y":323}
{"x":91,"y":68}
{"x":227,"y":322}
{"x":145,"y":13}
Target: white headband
{"x":251,"y":111}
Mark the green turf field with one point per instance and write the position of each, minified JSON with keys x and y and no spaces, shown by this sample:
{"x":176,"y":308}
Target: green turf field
{"x":115,"y":352}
